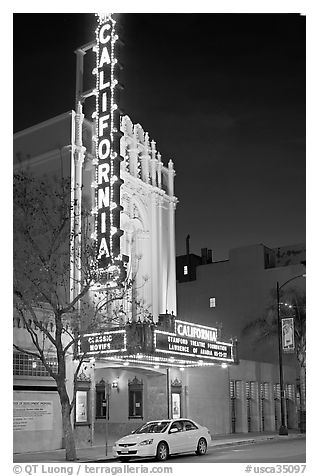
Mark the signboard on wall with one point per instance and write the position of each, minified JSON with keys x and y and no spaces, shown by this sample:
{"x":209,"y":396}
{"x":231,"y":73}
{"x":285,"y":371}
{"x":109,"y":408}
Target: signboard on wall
{"x":111,"y":342}
{"x":30,"y":415}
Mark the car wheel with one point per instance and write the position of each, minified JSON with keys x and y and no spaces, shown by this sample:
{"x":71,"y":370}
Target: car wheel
{"x":124,"y":459}
{"x":201,"y":447}
{"x":162,"y":451}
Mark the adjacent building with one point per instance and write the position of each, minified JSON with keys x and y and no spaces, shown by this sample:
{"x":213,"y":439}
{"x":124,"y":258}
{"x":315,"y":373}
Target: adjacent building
{"x":233,"y":292}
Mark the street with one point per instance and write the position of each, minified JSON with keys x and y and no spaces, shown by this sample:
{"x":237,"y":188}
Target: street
{"x":279,"y":451}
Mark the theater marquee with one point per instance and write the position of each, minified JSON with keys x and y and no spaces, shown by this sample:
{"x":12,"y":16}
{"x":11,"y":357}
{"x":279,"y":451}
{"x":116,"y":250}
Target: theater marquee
{"x":140,"y":342}
{"x":193,"y":341}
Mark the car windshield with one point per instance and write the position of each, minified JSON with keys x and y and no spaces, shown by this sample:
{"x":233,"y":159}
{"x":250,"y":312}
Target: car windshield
{"x":153,"y":427}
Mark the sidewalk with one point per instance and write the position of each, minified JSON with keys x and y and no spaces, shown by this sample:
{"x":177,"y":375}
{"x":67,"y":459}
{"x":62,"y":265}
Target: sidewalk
{"x":94,"y":454}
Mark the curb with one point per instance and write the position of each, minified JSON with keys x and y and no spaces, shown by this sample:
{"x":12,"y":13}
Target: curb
{"x":225,"y":445}
{"x":257,"y":440}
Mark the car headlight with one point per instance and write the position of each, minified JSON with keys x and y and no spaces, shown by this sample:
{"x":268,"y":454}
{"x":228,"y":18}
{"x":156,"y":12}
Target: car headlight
{"x":147,"y":442}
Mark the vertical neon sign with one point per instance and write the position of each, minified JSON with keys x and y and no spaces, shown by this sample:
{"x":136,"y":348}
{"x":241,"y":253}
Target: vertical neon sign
{"x":108,"y":181}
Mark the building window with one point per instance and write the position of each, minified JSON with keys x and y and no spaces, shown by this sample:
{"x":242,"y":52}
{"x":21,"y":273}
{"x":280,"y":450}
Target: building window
{"x":24,"y":364}
{"x":212,"y":302}
{"x":100,"y":400}
{"x":185,"y":270}
{"x":135,"y":398}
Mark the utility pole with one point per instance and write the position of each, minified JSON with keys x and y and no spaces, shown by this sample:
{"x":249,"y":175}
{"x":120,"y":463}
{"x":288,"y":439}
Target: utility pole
{"x":283,"y":430}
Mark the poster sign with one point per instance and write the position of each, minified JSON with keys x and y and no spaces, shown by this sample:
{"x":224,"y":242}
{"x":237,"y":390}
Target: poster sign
{"x":288,"y":337}
{"x":32,"y":415}
{"x":176,"y":405}
{"x":81,"y":406}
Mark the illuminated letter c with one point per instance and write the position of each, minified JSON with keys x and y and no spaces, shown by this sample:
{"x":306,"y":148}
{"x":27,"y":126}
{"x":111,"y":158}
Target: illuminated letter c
{"x":104,"y":39}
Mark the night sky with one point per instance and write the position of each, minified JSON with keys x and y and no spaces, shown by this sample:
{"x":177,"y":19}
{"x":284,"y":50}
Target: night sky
{"x":223,"y":96}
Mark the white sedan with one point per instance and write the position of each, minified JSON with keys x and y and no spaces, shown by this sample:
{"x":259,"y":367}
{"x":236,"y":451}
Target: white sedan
{"x":162,"y":438}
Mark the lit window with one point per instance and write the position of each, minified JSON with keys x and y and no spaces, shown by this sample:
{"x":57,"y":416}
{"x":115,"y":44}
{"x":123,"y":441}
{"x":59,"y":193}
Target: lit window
{"x":212,"y":302}
{"x":185,"y":270}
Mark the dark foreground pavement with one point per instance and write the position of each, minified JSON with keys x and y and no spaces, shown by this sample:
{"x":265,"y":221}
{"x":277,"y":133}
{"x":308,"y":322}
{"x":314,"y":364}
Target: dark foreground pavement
{"x":98,"y":453}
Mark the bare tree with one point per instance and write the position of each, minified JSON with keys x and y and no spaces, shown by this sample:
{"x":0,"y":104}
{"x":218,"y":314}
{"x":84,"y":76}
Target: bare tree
{"x":54,"y":306}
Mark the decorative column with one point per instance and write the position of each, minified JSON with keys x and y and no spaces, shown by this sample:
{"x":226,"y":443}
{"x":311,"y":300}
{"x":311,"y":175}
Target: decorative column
{"x":145,"y":173}
{"x":154,"y":255}
{"x":171,"y":285}
{"x":133,"y":154}
{"x":76,"y":198}
{"x":159,"y":170}
{"x":153,"y":163}
{"x":162,"y":276}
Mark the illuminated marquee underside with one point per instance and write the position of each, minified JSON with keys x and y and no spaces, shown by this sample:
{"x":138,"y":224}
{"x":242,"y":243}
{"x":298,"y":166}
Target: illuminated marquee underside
{"x":107,"y":146}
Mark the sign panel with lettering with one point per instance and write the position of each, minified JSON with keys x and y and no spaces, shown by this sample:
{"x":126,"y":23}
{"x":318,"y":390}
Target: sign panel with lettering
{"x":195,"y":331}
{"x":107,"y":147}
{"x":30,"y":415}
{"x":193,"y":341}
{"x":111,"y":342}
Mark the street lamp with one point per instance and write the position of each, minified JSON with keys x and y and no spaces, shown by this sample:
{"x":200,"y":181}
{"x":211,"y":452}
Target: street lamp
{"x":283,"y":430}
